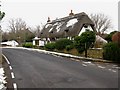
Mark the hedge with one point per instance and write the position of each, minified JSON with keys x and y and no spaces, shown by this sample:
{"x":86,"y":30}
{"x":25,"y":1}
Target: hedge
{"x":62,"y":43}
{"x":50,"y":46}
{"x":111,"y":51}
{"x":27,"y":45}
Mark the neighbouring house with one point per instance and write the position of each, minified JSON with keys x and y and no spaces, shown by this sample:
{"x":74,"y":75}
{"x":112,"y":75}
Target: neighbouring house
{"x":37,"y":41}
{"x":67,"y":27}
{"x":99,"y":42}
{"x":12,"y":43}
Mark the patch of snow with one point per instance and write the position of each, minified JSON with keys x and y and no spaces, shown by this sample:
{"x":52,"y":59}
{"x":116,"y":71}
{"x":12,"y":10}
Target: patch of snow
{"x":55,"y":24}
{"x":12,"y":43}
{"x":2,"y":79}
{"x":58,"y":29}
{"x":50,"y":30}
{"x":48,"y":25}
{"x":58,"y":26}
{"x":71,"y":22}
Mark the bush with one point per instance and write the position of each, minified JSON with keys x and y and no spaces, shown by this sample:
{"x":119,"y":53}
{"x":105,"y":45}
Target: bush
{"x":23,"y":45}
{"x":50,"y":46}
{"x":109,"y":37}
{"x":34,"y":46}
{"x":69,"y":47}
{"x":87,"y":37}
{"x":111,"y":51}
{"x":116,"y":38}
{"x":27,"y":45}
{"x":62,"y":43}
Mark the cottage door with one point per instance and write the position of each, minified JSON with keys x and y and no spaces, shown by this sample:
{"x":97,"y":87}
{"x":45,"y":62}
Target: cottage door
{"x":38,"y":42}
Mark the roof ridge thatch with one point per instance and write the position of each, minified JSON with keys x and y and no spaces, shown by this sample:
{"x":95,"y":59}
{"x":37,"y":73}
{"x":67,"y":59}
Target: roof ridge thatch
{"x":68,"y":17}
{"x":67,"y":26}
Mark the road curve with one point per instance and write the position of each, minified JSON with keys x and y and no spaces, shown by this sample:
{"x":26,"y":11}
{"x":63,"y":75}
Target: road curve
{"x":33,"y":69}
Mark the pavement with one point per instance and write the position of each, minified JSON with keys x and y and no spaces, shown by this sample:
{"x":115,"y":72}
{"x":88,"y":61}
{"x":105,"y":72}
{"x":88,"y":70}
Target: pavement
{"x":34,"y":68}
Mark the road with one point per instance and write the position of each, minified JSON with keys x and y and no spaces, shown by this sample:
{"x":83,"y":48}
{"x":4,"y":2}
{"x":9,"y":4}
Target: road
{"x":34,"y":69}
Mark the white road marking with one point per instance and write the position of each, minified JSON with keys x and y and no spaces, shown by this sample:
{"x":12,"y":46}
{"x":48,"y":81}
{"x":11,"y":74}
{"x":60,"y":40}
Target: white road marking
{"x":113,"y":71}
{"x":15,"y":86}
{"x":77,"y":60}
{"x":116,"y":67}
{"x":73,"y":59}
{"x":12,"y":74}
{"x":6,"y":59}
{"x":10,"y":67}
{"x":87,"y":62}
{"x":84,"y":65}
{"x":101,"y":67}
{"x":109,"y":69}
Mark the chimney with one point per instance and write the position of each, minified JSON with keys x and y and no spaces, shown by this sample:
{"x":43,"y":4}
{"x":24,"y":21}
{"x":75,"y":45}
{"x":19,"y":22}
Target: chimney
{"x":48,"y":19}
{"x":71,"y":13}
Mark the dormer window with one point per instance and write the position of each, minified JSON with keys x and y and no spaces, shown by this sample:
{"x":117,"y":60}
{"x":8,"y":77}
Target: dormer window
{"x":66,"y":30}
{"x":85,"y":26}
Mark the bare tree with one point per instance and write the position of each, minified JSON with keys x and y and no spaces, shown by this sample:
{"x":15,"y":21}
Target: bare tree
{"x":19,"y":31}
{"x":37,"y":30}
{"x":102,"y":22}
{"x":16,"y":25}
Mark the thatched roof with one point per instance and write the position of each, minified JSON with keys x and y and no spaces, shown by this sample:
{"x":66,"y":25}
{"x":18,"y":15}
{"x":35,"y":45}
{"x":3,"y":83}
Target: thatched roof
{"x":67,"y":26}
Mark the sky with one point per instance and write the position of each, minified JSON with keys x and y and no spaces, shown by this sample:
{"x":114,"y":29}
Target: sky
{"x":35,"y":12}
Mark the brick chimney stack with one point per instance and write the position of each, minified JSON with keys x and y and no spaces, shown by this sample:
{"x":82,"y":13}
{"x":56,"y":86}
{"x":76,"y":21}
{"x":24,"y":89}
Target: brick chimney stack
{"x":71,"y":13}
{"x":48,"y":19}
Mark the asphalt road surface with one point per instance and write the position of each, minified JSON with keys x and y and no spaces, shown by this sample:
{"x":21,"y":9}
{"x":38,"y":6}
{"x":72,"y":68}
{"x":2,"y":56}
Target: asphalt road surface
{"x":34,"y":69}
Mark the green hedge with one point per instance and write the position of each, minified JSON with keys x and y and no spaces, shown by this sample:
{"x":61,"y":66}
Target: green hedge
{"x":28,"y":45}
{"x":50,"y":46}
{"x":62,"y":43}
{"x":111,"y":51}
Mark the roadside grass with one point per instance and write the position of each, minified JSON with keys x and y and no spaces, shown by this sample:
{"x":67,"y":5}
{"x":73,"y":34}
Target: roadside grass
{"x":95,"y":54}
{"x":92,"y":53}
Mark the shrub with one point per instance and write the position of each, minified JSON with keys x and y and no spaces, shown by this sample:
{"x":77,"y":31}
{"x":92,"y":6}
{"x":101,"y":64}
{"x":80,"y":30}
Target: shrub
{"x":111,"y":51}
{"x":28,"y":45}
{"x":69,"y":47}
{"x":50,"y":46}
{"x":109,"y":37}
{"x":87,"y":38}
{"x":116,"y":38}
{"x":34,"y":46}
{"x":23,"y":45}
{"x":62,"y":43}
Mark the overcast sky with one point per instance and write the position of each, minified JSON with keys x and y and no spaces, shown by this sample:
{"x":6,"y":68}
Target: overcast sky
{"x":35,"y":12}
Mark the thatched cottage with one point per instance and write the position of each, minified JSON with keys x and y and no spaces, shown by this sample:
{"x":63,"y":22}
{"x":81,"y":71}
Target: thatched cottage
{"x":67,"y":27}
